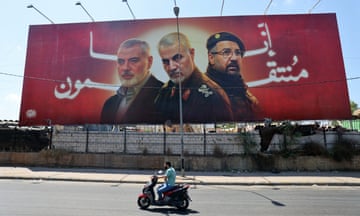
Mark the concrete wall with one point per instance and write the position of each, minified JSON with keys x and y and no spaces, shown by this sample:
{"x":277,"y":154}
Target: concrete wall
{"x":147,"y":150}
{"x":170,"y":143}
{"x":259,"y":162}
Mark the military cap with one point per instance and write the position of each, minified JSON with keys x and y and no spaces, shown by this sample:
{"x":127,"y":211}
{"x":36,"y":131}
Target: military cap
{"x":223,"y":36}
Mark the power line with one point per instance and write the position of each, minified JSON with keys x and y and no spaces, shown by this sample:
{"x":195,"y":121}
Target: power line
{"x":222,"y":7}
{"x":307,"y":83}
{"x":234,"y":87}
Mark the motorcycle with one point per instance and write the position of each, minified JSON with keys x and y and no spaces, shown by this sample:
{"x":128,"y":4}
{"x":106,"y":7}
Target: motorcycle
{"x":178,"y":196}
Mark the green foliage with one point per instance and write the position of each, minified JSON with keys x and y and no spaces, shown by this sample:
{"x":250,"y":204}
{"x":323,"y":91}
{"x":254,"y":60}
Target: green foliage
{"x":248,"y":143}
{"x":289,"y":136}
{"x":353,"y":106}
{"x":226,"y":126}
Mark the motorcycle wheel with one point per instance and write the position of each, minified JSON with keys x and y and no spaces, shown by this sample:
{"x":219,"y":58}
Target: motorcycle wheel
{"x":183,"y":205}
{"x":143,"y":202}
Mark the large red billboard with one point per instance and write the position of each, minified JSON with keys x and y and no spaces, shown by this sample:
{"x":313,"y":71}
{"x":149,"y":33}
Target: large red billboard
{"x":292,"y":67}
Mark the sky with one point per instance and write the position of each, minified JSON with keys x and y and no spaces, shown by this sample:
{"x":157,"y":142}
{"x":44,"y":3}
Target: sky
{"x":16,"y":18}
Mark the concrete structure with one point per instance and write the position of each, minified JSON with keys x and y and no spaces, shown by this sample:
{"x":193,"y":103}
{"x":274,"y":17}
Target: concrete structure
{"x":38,"y":174}
{"x":130,"y":142}
{"x":258,"y":162}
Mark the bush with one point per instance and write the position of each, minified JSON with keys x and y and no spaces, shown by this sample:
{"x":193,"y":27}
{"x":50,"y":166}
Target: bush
{"x":314,"y":149}
{"x":248,"y":143}
{"x":343,"y":150}
{"x":218,"y":152}
{"x":265,"y":162}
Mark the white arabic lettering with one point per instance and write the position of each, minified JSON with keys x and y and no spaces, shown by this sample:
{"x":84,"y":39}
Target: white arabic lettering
{"x":273,"y":74}
{"x":275,"y":70}
{"x":66,"y":91}
{"x":267,"y":43}
{"x":100,"y":55}
{"x":276,"y":73}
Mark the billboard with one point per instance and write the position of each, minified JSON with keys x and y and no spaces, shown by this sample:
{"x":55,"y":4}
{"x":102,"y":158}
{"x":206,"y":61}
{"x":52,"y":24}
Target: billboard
{"x":292,"y":69}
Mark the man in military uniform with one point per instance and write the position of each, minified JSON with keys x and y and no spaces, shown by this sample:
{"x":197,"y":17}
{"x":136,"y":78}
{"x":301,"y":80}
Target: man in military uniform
{"x":134,"y":100}
{"x":225,"y":53}
{"x":202,"y":99}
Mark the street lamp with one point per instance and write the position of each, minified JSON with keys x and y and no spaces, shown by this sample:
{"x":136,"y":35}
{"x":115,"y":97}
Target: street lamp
{"x":32,"y":6}
{"x":267,"y":7}
{"x":129,"y":8}
{"x":79,"y":3}
{"x":314,"y":6}
{"x":176,"y":12}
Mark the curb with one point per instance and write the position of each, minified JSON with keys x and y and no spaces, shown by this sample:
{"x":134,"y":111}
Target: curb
{"x":187,"y":182}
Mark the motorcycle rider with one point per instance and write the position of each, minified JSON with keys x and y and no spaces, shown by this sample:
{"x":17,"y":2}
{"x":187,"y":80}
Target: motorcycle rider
{"x":169,"y":180}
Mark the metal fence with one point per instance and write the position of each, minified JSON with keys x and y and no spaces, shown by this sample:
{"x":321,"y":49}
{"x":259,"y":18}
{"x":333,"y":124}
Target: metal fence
{"x":151,"y":143}
{"x":131,"y":142}
{"x":158,"y":141}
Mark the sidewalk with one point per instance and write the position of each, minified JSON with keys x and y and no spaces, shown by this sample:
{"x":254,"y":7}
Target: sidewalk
{"x":199,"y":178}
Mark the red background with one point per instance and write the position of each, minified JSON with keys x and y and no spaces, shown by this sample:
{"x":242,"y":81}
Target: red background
{"x":58,"y":51}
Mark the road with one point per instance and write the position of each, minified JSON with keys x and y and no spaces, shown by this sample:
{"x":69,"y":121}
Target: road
{"x":30,"y":198}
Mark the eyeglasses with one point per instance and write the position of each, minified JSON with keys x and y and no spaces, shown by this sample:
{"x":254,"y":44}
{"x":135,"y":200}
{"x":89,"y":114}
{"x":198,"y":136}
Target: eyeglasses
{"x":226,"y":53}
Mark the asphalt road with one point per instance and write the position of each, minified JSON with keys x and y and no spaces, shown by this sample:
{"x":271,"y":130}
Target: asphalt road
{"x":30,"y":198}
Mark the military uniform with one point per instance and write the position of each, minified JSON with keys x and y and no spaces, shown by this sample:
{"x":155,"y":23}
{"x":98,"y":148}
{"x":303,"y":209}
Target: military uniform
{"x":202,"y":99}
{"x":141,"y":109}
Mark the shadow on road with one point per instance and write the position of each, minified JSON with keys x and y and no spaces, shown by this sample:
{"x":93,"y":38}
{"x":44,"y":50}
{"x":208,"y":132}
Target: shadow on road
{"x":274,"y":202}
{"x":167,"y":211}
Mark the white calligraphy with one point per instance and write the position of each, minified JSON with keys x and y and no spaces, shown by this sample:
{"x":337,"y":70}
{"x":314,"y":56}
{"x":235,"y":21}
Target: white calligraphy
{"x":276,"y":74}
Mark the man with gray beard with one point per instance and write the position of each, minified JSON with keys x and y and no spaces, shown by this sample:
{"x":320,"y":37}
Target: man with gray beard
{"x":202,"y":99}
{"x":134,"y":100}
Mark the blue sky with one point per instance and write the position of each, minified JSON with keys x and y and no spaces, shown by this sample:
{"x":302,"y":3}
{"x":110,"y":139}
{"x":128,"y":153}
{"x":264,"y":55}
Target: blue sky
{"x":15,"y":19}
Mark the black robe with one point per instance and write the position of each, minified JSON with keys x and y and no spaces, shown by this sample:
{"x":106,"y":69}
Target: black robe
{"x":243,"y":104}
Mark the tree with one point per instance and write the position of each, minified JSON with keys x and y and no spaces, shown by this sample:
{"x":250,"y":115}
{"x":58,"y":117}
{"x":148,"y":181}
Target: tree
{"x":353,"y":106}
